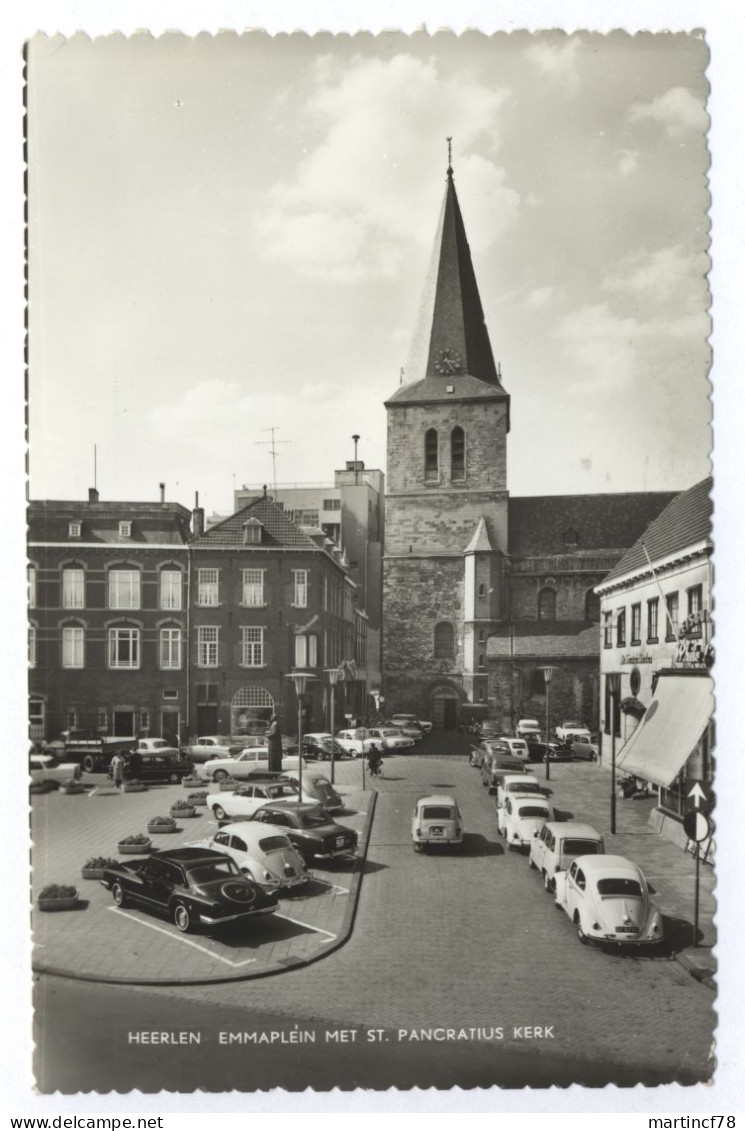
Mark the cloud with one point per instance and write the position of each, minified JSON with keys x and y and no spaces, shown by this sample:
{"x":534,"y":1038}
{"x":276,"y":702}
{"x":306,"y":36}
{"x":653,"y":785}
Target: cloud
{"x":539,"y":296}
{"x":658,"y":273}
{"x":677,"y":110}
{"x":371,"y":186}
{"x":628,"y":162}
{"x":557,"y":61}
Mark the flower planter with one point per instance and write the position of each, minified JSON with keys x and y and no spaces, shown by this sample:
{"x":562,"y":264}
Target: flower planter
{"x":92,"y":873}
{"x":191,"y":782}
{"x":77,"y":788}
{"x":197,"y":799}
{"x":183,"y":812}
{"x":57,"y":902}
{"x":134,"y":849}
{"x":133,"y":787}
{"x":161,"y":829}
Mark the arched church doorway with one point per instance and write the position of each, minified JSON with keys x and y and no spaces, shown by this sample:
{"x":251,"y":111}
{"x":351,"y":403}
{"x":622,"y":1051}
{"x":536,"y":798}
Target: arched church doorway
{"x":444,"y":711}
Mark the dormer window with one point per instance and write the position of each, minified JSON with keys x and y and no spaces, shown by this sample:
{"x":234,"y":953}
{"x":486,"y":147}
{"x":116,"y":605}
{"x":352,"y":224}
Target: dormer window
{"x":252,"y":532}
{"x":74,"y":529}
{"x":125,"y":529}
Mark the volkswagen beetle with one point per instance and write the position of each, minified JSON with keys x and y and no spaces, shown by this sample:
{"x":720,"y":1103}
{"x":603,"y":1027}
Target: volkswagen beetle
{"x":607,"y":899}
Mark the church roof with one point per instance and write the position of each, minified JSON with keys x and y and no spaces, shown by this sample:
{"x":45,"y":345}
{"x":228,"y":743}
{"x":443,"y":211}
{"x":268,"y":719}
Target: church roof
{"x":480,"y":543}
{"x":451,"y":356}
{"x":685,"y":522}
{"x":562,"y":524}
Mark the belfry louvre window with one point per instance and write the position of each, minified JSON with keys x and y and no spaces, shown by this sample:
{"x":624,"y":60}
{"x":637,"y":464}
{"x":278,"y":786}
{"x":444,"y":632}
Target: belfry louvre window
{"x":444,"y":641}
{"x":431,"y":465}
{"x":457,"y":454}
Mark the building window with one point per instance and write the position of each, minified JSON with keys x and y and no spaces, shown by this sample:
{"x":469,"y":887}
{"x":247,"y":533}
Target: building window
{"x":103,"y":718}
{"x":32,"y":646}
{"x":482,"y":589}
{"x":253,"y":587}
{"x":653,"y":608}
{"x":207,"y":694}
{"x":73,"y":589}
{"x":300,"y":597}
{"x":547,"y":604}
{"x":431,"y":464}
{"x":170,"y":589}
{"x":621,"y":629}
{"x":124,"y":647}
{"x":457,"y":454}
{"x":695,"y":606}
{"x":332,"y":504}
{"x":307,"y":518}
{"x":208,"y":587}
{"x":73,"y":647}
{"x":592,"y":606}
{"x":170,"y":648}
{"x":144,"y":719}
{"x":607,"y":630}
{"x":208,"y":640}
{"x":252,"y":532}
{"x":125,"y":529}
{"x":481,"y":660}
{"x":306,"y":652}
{"x":124,"y":589}
{"x":74,"y":529}
{"x":636,"y":624}
{"x":36,"y":718}
{"x":253,"y":647}
{"x":71,"y":716}
{"x":672,"y":605}
{"x":31,"y":575}
{"x":444,"y":644}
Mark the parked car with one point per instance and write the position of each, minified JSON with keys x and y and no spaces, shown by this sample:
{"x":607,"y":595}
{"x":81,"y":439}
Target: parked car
{"x":243,"y":802}
{"x":527,"y":726}
{"x":212,"y":746}
{"x":354,"y":742}
{"x":389,"y":738}
{"x":556,"y":751}
{"x":165,"y":766}
{"x":516,"y":783}
{"x":218,"y":769}
{"x":191,"y":886}
{"x":584,"y":749}
{"x":495,"y":766}
{"x":319,"y":789}
{"x":487,"y":747}
{"x":572,"y":729}
{"x":436,"y":820}
{"x":521,"y":817}
{"x":154,"y":746}
{"x":408,"y":725}
{"x":321,"y":747}
{"x":264,"y":856}
{"x":310,"y":829}
{"x":517,"y":746}
{"x":607,"y":899}
{"x":558,"y":843}
{"x":46,"y":769}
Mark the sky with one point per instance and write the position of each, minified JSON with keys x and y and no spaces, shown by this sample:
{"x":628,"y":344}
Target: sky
{"x":230,"y":234}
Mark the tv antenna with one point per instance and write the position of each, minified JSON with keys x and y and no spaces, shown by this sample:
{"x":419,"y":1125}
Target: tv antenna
{"x":273,"y":449}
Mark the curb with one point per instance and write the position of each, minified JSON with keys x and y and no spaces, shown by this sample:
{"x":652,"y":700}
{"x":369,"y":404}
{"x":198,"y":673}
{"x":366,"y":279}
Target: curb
{"x":278,"y":968}
{"x":703,"y":971}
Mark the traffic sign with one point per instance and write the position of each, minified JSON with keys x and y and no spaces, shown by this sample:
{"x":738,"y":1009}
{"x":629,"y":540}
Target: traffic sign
{"x":697,"y":826}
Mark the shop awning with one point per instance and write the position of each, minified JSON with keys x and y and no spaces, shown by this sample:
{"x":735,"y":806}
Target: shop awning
{"x":672,"y":727}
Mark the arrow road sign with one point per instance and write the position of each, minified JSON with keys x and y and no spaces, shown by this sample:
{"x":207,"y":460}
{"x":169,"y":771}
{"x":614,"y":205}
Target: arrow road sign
{"x":698,"y":795}
{"x":697,"y":826}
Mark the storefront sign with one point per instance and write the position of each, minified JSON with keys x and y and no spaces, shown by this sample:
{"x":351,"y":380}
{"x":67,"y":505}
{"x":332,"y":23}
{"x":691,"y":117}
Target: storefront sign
{"x":636,"y":658}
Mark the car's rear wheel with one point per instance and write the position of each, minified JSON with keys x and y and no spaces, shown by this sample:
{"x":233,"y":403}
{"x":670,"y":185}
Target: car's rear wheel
{"x":220,"y":775}
{"x":89,"y":764}
{"x":219,"y":812}
{"x":117,"y":894}
{"x":182,"y":917}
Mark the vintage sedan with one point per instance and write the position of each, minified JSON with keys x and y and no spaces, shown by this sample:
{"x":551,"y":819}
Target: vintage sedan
{"x":264,"y":856}
{"x":389,"y":738}
{"x":44,"y":769}
{"x":583,"y":749}
{"x":310,"y":829}
{"x":408,"y":725}
{"x":521,"y":817}
{"x":516,"y":783}
{"x":321,"y":747}
{"x":607,"y":899}
{"x":436,"y":820}
{"x":156,"y":765}
{"x":192,"y":886}
{"x":495,"y":765}
{"x":240,"y":768}
{"x":354,"y":742}
{"x":243,"y":802}
{"x":319,"y":789}
{"x":558,"y":843}
{"x":213,"y":746}
{"x":518,"y":746}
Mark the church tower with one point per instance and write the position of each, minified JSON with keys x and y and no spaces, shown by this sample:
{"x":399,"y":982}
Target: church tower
{"x":446,"y":505}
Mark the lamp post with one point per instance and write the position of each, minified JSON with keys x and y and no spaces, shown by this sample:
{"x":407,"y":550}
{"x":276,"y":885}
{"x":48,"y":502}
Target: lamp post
{"x":614,"y":684}
{"x":301,"y":680}
{"x":548,"y":675}
{"x":334,"y":675}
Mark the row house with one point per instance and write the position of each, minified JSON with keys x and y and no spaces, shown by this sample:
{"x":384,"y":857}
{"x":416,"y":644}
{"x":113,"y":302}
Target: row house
{"x":107,"y":588}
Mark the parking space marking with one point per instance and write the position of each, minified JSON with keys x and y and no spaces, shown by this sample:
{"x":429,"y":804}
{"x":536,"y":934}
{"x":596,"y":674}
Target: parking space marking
{"x":180,"y":938}
{"x":308,"y":926}
{"x":334,"y":887}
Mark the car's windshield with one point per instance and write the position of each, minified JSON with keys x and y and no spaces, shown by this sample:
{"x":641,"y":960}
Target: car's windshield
{"x":437,"y":813}
{"x":533,"y":811}
{"x":523,"y":787}
{"x":389,"y":732}
{"x":620,"y":885}
{"x":206,"y":873}
{"x":272,"y":843}
{"x":573,"y":847}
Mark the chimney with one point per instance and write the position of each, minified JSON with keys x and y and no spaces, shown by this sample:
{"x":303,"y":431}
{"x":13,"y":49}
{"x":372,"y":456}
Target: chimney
{"x":197,"y":517}
{"x":92,"y":495}
{"x":162,"y":492}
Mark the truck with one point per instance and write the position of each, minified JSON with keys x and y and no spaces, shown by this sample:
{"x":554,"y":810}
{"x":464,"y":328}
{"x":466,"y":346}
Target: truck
{"x":92,"y":754}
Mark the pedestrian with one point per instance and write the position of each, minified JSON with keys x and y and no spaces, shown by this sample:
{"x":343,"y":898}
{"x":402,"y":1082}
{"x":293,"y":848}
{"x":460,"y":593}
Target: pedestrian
{"x":374,"y":761}
{"x":274,"y":744}
{"x":117,"y":770}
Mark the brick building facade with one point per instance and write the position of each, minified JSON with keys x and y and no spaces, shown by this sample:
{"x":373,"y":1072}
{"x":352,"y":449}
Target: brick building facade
{"x":480,"y":590}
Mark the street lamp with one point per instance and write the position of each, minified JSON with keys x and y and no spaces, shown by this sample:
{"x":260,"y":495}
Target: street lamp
{"x":548,"y":675}
{"x":614,"y":686}
{"x":334,"y":674}
{"x":301,"y":680}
